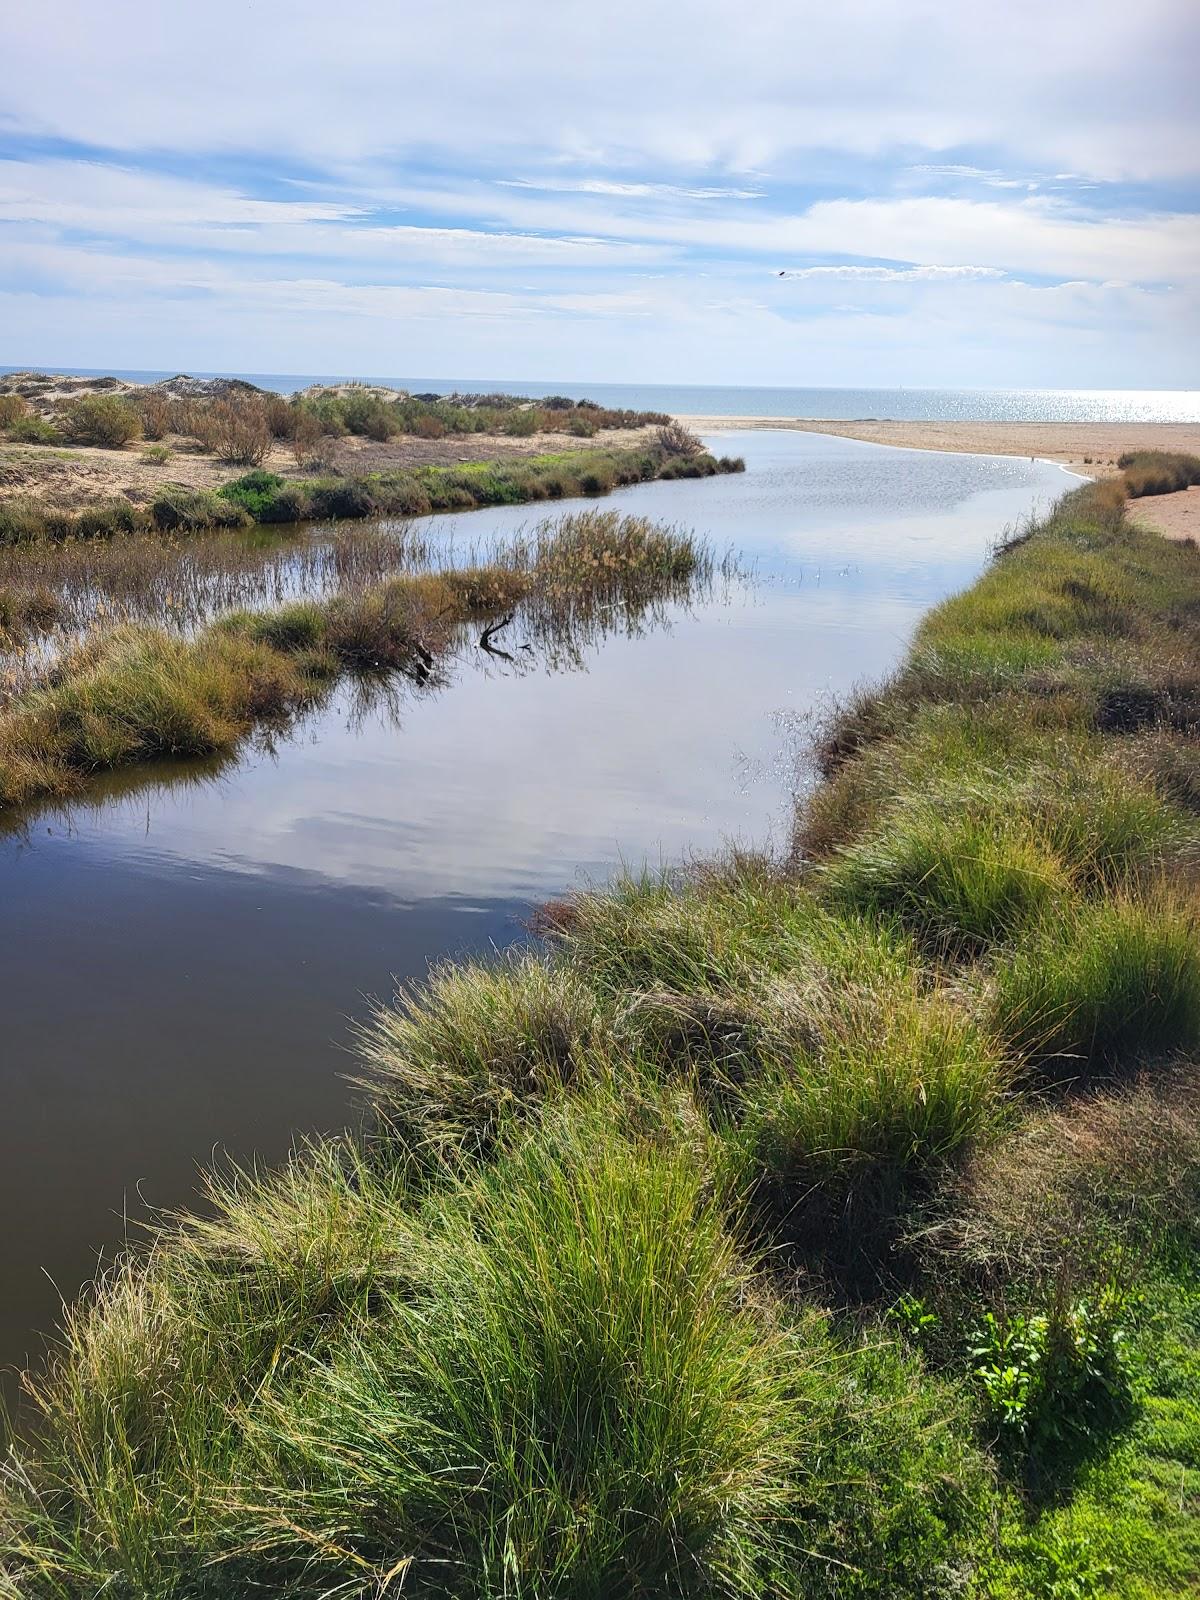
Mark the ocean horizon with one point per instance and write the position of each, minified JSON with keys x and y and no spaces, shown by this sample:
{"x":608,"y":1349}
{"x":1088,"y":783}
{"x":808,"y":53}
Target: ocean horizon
{"x":831,"y":404}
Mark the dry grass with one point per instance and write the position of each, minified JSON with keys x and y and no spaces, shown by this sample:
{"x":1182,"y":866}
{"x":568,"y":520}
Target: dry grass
{"x":1070,"y":1183}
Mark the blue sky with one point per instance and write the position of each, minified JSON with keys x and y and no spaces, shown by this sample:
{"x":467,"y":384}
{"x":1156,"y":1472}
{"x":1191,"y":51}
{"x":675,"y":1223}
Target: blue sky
{"x":866,"y":193}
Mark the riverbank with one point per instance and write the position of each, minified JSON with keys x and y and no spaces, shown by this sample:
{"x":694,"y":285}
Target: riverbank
{"x":1090,"y":448}
{"x":729,"y":1239}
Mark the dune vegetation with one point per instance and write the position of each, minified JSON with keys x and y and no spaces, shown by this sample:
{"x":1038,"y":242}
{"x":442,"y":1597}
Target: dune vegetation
{"x":810,"y":1227}
{"x":266,"y":497}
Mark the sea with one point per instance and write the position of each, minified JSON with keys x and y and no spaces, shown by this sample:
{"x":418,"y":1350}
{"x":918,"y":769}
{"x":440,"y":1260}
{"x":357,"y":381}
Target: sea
{"x":731,"y":400}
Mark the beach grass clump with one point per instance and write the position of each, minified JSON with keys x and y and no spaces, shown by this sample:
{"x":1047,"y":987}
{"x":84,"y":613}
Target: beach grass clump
{"x":139,"y":694}
{"x":1067,"y":1188}
{"x":12,"y":408}
{"x":141,"y":1411}
{"x":577,"y":1396}
{"x":24,"y":611}
{"x":449,"y":1064}
{"x":960,"y":881}
{"x":179,"y":510}
{"x":1099,"y":983}
{"x":1158,"y":471}
{"x":852,"y":1113}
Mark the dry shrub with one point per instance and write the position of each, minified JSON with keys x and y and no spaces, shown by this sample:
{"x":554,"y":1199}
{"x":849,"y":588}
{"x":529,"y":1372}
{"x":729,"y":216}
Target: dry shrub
{"x":241,"y":430}
{"x":676,"y":440}
{"x":12,"y":408}
{"x":305,"y":436}
{"x":280,"y":415}
{"x":154,"y":408}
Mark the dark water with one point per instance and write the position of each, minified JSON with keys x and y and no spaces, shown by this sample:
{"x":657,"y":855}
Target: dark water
{"x":181,"y":960}
{"x":726,"y":400}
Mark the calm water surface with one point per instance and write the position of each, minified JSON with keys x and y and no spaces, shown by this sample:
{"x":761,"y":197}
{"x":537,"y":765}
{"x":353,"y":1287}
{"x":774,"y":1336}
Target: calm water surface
{"x":181,"y":960}
{"x":728,"y":400}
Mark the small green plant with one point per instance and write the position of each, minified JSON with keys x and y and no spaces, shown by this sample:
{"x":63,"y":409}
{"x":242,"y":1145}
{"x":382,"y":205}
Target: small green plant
{"x":155,"y":455}
{"x":914,"y":1317}
{"x":1054,"y":1379}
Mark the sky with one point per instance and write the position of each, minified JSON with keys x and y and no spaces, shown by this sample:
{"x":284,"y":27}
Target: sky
{"x":864,"y":193}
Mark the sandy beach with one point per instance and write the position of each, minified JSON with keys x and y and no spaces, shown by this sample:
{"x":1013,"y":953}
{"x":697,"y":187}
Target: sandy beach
{"x":1090,"y":448}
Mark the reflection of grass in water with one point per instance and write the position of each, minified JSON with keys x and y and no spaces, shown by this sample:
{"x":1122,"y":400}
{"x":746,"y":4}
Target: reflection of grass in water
{"x":185,"y":582}
{"x":134,"y":693}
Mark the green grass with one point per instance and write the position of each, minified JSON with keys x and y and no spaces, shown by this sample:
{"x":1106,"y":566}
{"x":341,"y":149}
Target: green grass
{"x":1097,"y":985}
{"x":811,"y":1229}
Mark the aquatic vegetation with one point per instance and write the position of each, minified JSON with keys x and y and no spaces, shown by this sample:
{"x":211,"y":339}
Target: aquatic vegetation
{"x":136,"y":692}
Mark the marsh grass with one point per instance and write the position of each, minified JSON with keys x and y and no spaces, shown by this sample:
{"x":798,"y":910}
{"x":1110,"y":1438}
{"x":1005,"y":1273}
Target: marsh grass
{"x":1158,"y":471}
{"x":135,"y":692}
{"x":1098,"y":984}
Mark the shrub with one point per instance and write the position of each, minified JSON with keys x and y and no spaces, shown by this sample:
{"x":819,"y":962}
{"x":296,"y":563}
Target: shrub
{"x":102,"y":419}
{"x":428,"y":428}
{"x":305,"y":434}
{"x":155,"y":410}
{"x":33,"y":429}
{"x":12,"y":408}
{"x":677,"y":440}
{"x":256,"y":491}
{"x":106,"y":520}
{"x":156,"y":455}
{"x":239,"y":429}
{"x":521,"y":424}
{"x":1102,"y":982}
{"x":348,"y":497}
{"x":581,"y":427}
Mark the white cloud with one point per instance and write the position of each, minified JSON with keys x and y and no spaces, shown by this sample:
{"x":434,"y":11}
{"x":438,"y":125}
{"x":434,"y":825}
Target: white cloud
{"x":1099,"y":87}
{"x":918,"y":274}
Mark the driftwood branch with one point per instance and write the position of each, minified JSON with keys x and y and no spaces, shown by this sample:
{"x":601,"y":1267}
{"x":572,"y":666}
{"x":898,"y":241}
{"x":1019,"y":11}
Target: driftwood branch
{"x":489,"y":633}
